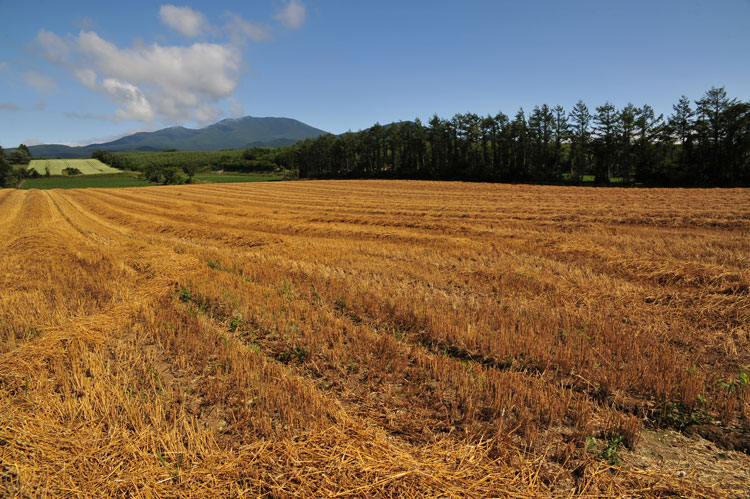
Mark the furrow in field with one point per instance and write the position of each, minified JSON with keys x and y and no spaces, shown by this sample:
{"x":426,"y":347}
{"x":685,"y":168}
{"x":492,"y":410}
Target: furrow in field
{"x":229,"y":230}
{"x":102,"y":230}
{"x":12,"y":214}
{"x":87,"y":233}
{"x":412,"y":330}
{"x":579,"y":262}
{"x":165,"y":226}
{"x":405,"y":359}
{"x":90,"y":384}
{"x":616,"y":333}
{"x":399,"y":385}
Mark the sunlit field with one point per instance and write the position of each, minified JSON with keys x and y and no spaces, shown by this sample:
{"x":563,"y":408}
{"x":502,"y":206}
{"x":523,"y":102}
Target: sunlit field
{"x":56,"y":166}
{"x":374,"y":339}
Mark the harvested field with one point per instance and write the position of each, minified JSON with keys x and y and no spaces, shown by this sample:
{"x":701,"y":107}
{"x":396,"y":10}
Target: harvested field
{"x":374,"y":339}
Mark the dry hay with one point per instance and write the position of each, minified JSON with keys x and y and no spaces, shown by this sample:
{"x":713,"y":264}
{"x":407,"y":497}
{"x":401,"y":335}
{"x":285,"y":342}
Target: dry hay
{"x":374,"y":339}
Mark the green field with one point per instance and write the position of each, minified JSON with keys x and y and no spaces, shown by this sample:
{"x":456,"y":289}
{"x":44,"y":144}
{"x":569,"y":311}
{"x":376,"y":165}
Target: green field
{"x":122,"y":180}
{"x":220,"y":178}
{"x":83,"y":181}
{"x":56,"y":166}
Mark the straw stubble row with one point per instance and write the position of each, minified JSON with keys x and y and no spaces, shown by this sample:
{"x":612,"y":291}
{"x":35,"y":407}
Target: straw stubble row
{"x":362,"y":338}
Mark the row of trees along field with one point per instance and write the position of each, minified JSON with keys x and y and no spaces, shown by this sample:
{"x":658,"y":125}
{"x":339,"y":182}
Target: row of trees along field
{"x":708,"y":144}
{"x":167,"y":167}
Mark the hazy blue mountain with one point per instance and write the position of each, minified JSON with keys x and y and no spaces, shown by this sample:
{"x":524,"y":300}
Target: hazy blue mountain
{"x":226,"y":134}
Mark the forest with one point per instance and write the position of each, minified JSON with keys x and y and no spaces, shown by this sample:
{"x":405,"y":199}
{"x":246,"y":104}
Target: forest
{"x":705,"y":143}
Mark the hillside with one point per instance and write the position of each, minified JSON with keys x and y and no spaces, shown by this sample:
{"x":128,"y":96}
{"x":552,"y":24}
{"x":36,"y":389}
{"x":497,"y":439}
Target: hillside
{"x":226,"y":134}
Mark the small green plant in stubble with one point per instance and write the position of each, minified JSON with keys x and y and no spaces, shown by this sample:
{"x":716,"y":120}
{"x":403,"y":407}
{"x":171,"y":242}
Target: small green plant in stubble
{"x":185,"y":295}
{"x":608,"y":450}
{"x":214,"y":264}
{"x":174,"y":473}
{"x":297,"y":354}
{"x":738,"y":384}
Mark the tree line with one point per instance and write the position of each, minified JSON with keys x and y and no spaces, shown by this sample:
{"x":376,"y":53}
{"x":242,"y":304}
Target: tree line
{"x":705,"y":142}
{"x":177,"y":167}
{"x":701,"y":143}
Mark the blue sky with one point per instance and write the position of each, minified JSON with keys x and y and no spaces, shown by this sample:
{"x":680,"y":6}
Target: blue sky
{"x":80,"y":72}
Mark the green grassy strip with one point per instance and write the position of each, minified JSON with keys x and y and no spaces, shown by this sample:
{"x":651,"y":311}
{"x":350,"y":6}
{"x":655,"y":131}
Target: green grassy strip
{"x":82,"y":182}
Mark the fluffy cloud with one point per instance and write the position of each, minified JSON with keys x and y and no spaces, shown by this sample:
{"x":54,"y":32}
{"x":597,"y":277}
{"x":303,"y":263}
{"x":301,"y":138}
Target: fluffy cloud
{"x":129,"y":97}
{"x":86,"y":76}
{"x":150,"y":82}
{"x":161,"y":82}
{"x":184,"y":19}
{"x":293,"y":15}
{"x":205,"y":69}
{"x":41,"y":83}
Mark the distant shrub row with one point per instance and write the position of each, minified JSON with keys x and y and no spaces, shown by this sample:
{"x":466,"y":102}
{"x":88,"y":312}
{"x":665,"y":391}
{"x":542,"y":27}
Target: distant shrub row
{"x":175,"y":167}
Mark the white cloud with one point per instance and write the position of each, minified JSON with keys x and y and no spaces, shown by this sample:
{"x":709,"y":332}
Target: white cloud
{"x":9,"y":106}
{"x":129,"y":97}
{"x":158,"y":81}
{"x":52,"y":47}
{"x":42,"y":83}
{"x":239,"y":29}
{"x":201,"y":68}
{"x":152,"y":82}
{"x":293,"y":15}
{"x":32,"y":142}
{"x":184,"y":19}
{"x":85,"y":76}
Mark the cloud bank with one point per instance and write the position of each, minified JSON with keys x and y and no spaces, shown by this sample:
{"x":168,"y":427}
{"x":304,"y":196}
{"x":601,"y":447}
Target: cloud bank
{"x":184,"y":19}
{"x":150,"y":82}
{"x":160,"y":82}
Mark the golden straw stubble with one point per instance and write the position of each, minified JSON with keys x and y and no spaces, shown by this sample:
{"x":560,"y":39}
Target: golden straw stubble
{"x":373,"y":339}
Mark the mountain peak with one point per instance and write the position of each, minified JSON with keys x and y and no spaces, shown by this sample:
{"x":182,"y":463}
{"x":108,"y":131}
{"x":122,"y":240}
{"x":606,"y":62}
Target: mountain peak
{"x":229,"y":133}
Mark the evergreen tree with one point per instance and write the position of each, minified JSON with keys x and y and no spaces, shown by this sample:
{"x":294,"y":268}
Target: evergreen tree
{"x":680,"y":125}
{"x":560,"y":134}
{"x":520,"y":143}
{"x":605,"y":128}
{"x":580,"y":122}
{"x":625,"y":133}
{"x":648,"y":127}
{"x":502,"y":151}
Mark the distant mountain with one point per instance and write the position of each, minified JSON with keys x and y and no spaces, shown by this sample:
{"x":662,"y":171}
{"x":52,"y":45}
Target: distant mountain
{"x":226,"y":134}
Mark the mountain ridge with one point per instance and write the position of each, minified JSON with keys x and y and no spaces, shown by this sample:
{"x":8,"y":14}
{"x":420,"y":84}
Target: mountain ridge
{"x":229,"y":133}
